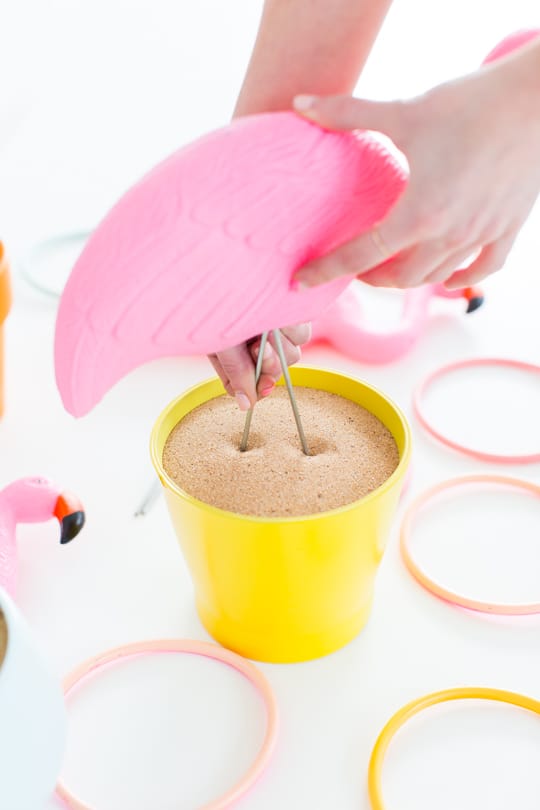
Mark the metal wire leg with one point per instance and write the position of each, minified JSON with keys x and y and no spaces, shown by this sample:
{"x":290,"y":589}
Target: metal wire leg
{"x":148,"y":501}
{"x":249,"y":414}
{"x":285,"y":368}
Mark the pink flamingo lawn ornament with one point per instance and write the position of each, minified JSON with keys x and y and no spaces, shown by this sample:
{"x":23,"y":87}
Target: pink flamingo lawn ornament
{"x":32,"y":500}
{"x":341,"y":325}
{"x":200,"y":253}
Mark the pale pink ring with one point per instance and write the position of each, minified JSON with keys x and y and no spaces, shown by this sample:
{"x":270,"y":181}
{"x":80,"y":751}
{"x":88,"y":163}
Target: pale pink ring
{"x":528,"y":458}
{"x":434,"y":587}
{"x":207,"y":650}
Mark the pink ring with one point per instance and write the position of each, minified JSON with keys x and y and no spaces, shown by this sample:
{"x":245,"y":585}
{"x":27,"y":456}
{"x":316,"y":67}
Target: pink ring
{"x":202,"y":648}
{"x":419,"y":393}
{"x":434,"y":587}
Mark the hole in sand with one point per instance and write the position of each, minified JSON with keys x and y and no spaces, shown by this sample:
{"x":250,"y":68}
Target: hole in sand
{"x":256,"y":441}
{"x":317,"y":445}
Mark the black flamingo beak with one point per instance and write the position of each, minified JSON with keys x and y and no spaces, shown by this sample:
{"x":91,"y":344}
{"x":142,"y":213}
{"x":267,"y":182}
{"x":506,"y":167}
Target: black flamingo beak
{"x":474,"y":298}
{"x":70,"y":514}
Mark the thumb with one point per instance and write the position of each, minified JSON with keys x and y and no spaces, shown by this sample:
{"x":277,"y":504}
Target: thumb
{"x":347,"y":113}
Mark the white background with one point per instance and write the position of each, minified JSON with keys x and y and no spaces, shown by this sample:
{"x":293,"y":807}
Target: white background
{"x":92,"y":95}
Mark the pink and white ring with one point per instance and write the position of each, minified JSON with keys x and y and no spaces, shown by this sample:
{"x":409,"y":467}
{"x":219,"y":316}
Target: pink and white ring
{"x":498,"y":458}
{"x":246,"y":668}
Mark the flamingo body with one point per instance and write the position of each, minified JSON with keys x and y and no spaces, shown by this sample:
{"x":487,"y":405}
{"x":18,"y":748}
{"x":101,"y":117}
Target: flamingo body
{"x":341,"y":324}
{"x":199,"y":254}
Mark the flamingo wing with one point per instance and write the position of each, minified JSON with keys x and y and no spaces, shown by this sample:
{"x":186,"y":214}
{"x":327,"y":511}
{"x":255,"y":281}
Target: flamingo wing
{"x":199,"y":254}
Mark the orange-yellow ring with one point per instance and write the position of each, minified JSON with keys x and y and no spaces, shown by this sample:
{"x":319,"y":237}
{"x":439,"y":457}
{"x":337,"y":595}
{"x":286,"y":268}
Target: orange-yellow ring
{"x":403,"y":715}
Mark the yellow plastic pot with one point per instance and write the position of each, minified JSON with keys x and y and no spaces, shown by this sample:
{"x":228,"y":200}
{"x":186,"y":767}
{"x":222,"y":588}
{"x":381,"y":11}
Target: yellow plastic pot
{"x":285,"y":589}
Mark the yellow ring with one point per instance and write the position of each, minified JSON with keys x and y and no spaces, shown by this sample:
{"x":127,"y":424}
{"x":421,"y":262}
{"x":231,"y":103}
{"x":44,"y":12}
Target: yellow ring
{"x":403,"y":715}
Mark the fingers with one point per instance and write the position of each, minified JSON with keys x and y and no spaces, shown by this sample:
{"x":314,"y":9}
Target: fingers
{"x":351,"y":259}
{"x":221,"y":374}
{"x":458,"y":190}
{"x":236,"y":367}
{"x":299,"y":334}
{"x":491,"y":259}
{"x":270,"y":369}
{"x":459,"y":258}
{"x":372,"y":248}
{"x":398,"y":232}
{"x":426,"y":263}
{"x":291,"y":351}
{"x":292,"y":338}
{"x":407,"y":269}
{"x":347,"y":113}
{"x":236,"y":370}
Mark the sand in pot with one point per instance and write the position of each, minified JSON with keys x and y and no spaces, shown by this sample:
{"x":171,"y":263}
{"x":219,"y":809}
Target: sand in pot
{"x":353,"y":453}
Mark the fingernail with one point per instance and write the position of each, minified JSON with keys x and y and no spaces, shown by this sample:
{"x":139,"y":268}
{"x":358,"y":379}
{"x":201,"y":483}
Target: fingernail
{"x":267,"y":390}
{"x":303,"y":103}
{"x":242,"y":401}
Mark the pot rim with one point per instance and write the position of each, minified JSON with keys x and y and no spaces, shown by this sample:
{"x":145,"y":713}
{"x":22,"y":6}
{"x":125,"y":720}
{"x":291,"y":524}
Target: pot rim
{"x":169,"y":484}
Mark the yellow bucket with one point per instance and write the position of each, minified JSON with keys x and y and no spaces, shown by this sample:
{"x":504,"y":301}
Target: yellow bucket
{"x":285,"y":589}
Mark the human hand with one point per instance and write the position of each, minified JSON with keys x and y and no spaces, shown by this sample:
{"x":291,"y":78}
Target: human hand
{"x":236,"y":366}
{"x":295,"y":44}
{"x":473,"y":148}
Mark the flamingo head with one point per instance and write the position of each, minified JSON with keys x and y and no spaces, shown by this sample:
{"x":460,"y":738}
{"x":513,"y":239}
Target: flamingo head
{"x":36,"y":499}
{"x":472,"y":295}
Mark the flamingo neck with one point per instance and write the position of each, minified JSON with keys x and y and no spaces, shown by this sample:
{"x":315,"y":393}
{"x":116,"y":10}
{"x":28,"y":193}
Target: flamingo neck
{"x":7,"y":522}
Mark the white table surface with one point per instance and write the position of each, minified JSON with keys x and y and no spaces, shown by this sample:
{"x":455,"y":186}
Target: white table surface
{"x":93,"y":94}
